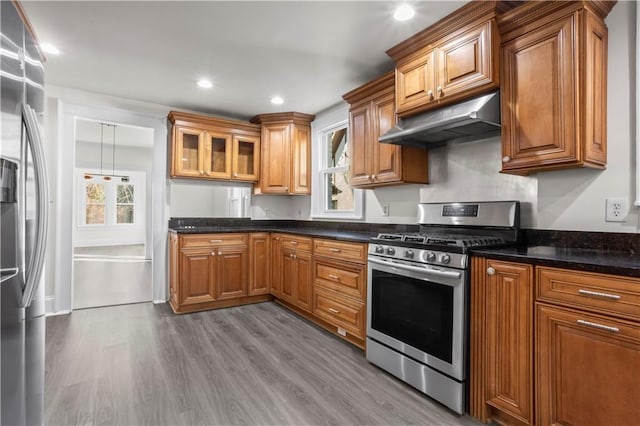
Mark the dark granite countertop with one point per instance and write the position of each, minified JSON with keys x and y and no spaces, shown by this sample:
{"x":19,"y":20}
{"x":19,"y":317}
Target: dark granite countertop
{"x":618,"y":262}
{"x":344,"y":235}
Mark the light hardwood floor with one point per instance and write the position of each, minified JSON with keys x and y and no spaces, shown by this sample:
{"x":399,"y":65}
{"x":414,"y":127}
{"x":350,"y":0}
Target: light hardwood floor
{"x":254,"y":364}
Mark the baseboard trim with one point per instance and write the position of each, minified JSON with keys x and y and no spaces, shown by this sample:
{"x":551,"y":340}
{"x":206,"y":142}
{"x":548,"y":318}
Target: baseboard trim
{"x":158,"y":302}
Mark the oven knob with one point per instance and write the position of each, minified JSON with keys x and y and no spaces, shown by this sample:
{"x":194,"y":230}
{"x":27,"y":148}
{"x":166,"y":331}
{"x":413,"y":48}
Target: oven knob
{"x":391,"y":251}
{"x":408,"y":254}
{"x":379,"y":249}
{"x":429,"y":257}
{"x":444,"y":258}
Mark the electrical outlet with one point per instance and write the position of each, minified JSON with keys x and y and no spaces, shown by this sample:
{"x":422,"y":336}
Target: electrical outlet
{"x":385,"y":209}
{"x":617,"y":209}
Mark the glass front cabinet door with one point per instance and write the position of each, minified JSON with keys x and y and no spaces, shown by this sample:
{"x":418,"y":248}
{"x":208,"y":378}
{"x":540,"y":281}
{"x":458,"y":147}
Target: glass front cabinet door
{"x":246,"y":157}
{"x":189,"y":152}
{"x":218,"y":155}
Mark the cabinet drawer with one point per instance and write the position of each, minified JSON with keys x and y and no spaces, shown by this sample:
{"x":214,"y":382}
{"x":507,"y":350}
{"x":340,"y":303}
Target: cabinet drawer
{"x":296,"y":243}
{"x":355,"y":252}
{"x":607,"y":294}
{"x":346,"y":278}
{"x":204,"y":240}
{"x":339,"y":311}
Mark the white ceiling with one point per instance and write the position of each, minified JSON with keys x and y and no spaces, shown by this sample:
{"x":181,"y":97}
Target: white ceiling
{"x":91,"y":131}
{"x":308,"y":52}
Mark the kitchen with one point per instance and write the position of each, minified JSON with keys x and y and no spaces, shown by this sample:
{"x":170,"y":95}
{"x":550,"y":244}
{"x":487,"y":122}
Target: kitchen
{"x":563,"y":200}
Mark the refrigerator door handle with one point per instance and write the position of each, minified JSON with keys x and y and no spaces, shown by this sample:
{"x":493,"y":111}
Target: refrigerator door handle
{"x":34,"y":270}
{"x":8,"y":273}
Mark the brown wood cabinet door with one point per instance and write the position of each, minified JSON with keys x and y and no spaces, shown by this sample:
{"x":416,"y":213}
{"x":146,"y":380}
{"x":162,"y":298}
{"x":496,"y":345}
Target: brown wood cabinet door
{"x":359,"y":146}
{"x":188,"y":160}
{"x":259,"y":264}
{"x":246,"y":158}
{"x":415,"y":83}
{"x":174,"y":268}
{"x":303,"y":280}
{"x":276,"y":265}
{"x":539,"y":97}
{"x":509,"y":338}
{"x":289,"y":276}
{"x":595,"y":120}
{"x":387,"y":158}
{"x":275,"y":147}
{"x":466,"y":63}
{"x":217,"y":155}
{"x":587,"y":369}
{"x":301,"y":160}
{"x":197,"y":270}
{"x":231,"y":272}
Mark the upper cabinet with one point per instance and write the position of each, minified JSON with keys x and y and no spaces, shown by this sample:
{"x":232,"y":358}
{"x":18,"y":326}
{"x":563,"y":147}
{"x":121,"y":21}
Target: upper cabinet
{"x":371,"y":114}
{"x":453,"y":59}
{"x":214,"y":148}
{"x":286,"y":153}
{"x":554,"y":86}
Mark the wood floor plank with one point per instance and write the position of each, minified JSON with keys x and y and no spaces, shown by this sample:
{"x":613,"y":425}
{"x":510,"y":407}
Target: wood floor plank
{"x":254,"y":364}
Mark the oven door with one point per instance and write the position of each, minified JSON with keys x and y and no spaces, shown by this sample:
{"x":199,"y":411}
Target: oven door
{"x":420,"y":311}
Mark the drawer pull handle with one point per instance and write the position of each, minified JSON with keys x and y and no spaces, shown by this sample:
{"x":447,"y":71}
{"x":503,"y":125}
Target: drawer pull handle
{"x":295,"y":243}
{"x":334,"y":277}
{"x":334,"y":250}
{"x":334,"y":311}
{"x":216,"y":241}
{"x":598,"y":294}
{"x":598,"y":326}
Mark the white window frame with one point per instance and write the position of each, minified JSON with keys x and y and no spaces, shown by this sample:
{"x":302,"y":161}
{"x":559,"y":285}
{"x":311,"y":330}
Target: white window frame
{"x":116,"y":203}
{"x":319,"y":208}
{"x":84,"y":204}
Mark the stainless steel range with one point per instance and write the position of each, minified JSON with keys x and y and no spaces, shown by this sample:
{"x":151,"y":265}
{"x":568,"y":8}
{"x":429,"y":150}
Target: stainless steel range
{"x":418,"y":294}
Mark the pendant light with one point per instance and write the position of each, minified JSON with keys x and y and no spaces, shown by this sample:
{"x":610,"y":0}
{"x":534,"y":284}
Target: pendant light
{"x":105,"y":176}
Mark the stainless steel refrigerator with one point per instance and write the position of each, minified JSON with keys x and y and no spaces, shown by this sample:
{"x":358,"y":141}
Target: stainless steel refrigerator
{"x":23,"y":228}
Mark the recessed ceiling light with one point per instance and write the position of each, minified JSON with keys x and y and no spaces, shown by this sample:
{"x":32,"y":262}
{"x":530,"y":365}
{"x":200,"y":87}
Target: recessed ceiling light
{"x":205,"y":84}
{"x":277,"y":100}
{"x":49,"y":48}
{"x":404,"y":12}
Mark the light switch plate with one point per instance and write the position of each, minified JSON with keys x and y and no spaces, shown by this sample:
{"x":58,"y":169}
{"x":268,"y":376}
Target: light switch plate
{"x":385,"y":209}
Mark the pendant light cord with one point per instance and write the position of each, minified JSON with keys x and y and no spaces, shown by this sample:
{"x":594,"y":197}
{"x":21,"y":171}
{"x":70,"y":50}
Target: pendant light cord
{"x":113,"y":151}
{"x":101,"y":144}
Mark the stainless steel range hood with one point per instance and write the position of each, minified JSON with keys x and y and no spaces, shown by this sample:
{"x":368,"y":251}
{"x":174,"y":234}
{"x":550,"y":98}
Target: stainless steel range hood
{"x":468,"y":120}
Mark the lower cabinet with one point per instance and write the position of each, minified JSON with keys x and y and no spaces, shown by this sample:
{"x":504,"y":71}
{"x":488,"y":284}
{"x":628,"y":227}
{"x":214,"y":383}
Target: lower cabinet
{"x":586,"y":336}
{"x":340,"y":288}
{"x":588,"y":369}
{"x":502,"y":337}
{"x":259,"y":264}
{"x":210,"y":271}
{"x":296,"y":278}
{"x":322,"y":280}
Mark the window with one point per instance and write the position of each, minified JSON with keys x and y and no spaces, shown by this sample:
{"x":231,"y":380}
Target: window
{"x":124,"y":204}
{"x":107,"y":203}
{"x":334,"y":196}
{"x":94,"y":204}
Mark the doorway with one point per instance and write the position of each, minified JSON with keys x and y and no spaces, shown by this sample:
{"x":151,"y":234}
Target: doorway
{"x":112,"y":250}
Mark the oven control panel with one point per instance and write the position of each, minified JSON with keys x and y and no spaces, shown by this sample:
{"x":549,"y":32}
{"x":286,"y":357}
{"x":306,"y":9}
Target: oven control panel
{"x":433,"y":257}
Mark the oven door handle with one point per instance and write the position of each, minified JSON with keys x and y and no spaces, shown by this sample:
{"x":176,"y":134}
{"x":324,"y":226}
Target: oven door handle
{"x":435,"y":272}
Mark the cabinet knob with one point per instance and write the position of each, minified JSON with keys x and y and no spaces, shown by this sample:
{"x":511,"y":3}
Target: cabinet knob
{"x":373,"y":177}
{"x":286,"y":188}
{"x":235,"y":175}
{"x":213,"y":253}
{"x":430,"y":93}
{"x":506,"y":159}
{"x":440,"y":92}
{"x":491,"y":271}
{"x":201,"y":172}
